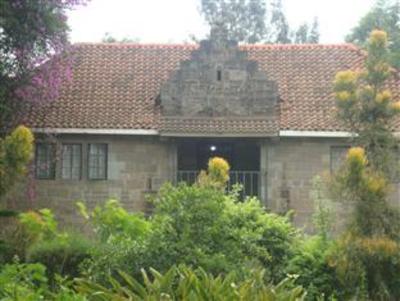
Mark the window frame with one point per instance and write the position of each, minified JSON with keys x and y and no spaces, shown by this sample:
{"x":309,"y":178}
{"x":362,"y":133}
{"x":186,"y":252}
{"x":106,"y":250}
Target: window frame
{"x":71,"y":165}
{"x":52,"y":174}
{"x":105,"y":165}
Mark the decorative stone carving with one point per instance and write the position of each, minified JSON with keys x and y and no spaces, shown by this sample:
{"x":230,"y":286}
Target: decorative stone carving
{"x":218,"y":81}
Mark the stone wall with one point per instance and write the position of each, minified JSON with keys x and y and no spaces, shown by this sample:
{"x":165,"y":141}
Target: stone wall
{"x":218,"y":81}
{"x":136,"y":167}
{"x":292,"y":163}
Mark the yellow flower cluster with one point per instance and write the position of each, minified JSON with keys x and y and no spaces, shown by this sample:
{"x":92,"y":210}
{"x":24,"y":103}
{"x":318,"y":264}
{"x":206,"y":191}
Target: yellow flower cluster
{"x":217,"y":174}
{"x":378,"y":38}
{"x":395,"y":106}
{"x":384,"y":96}
{"x":343,"y":96}
{"x":357,"y":154}
{"x":347,"y":76}
{"x":219,"y":167}
{"x":376,"y":185}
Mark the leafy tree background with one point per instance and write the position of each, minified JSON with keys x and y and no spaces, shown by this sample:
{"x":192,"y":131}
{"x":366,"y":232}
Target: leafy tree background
{"x":109,"y":38}
{"x":257,"y":21}
{"x":32,"y":32}
{"x":385,"y":15}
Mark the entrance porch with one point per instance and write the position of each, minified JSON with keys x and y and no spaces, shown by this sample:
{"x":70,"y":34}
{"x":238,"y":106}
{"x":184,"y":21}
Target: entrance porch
{"x":242,"y":155}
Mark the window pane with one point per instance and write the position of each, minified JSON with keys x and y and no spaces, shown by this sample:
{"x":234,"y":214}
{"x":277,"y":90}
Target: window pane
{"x":44,"y":162}
{"x":97,"y":161}
{"x":71,"y":164}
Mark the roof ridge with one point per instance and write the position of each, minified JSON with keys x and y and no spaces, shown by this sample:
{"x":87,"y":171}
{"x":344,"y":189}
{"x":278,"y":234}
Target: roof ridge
{"x":134,"y":45}
{"x":244,"y":46}
{"x":303,"y":46}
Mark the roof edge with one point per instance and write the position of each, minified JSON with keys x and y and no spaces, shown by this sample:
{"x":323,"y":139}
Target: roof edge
{"x":138,"y":132}
{"x":316,"y":134}
{"x":217,"y":135}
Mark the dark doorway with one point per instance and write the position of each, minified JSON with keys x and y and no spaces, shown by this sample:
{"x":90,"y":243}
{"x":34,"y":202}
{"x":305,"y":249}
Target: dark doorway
{"x":242,"y":155}
{"x":194,"y":154}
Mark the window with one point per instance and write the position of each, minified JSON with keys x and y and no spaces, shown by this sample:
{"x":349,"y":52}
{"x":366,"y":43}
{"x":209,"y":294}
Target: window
{"x":219,"y":75}
{"x":97,"y":161}
{"x":71,"y":161}
{"x":338,"y":155}
{"x":44,"y":161}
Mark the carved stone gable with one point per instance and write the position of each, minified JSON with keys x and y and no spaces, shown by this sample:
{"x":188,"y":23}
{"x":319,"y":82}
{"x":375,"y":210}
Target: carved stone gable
{"x":218,"y":80}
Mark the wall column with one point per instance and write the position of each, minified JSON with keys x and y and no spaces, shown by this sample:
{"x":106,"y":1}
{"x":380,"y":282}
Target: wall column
{"x":173,"y":161}
{"x":263,"y":172}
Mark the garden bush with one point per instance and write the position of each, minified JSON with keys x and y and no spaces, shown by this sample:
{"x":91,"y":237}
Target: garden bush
{"x":23,"y":231}
{"x":112,"y":222}
{"x":314,"y":269}
{"x":23,"y":282}
{"x":28,"y":282}
{"x":203,"y":227}
{"x":61,"y":255}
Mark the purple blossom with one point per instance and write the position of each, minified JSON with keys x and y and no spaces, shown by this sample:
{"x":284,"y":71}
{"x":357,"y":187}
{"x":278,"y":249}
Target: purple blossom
{"x":40,"y":74}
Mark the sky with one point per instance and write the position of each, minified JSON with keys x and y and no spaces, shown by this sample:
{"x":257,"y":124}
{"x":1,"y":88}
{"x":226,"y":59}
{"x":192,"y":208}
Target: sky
{"x":173,"y":21}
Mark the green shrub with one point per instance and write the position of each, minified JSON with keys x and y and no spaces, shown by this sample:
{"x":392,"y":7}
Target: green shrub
{"x":26,"y":229}
{"x":314,"y":270}
{"x":23,"y":282}
{"x":112,"y":222}
{"x":268,"y":237}
{"x":117,"y":232}
{"x":28,"y":282}
{"x":184,"y":283}
{"x":62,"y":255}
{"x":203,"y":227}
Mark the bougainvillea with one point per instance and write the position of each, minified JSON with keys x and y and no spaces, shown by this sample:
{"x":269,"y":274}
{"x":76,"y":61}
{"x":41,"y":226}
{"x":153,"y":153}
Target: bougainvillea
{"x":34,"y":52}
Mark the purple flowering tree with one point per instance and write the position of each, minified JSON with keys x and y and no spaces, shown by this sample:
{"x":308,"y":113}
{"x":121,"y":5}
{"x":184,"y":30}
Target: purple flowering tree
{"x":34,"y":53}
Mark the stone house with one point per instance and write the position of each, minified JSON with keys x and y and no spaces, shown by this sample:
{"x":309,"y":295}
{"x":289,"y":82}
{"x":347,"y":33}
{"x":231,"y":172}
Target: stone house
{"x":135,"y":116}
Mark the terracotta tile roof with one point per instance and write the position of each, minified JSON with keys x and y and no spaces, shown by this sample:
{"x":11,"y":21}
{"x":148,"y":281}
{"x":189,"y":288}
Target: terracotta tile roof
{"x":115,"y":86}
{"x":219,"y":127}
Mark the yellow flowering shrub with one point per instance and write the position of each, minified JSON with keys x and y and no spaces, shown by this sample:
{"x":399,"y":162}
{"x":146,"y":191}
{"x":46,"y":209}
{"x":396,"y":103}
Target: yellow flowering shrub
{"x":19,"y":147}
{"x":218,"y":168}
{"x":217,"y":174}
{"x":357,"y":155}
{"x":377,"y":185}
{"x":16,"y":151}
{"x":378,"y":38}
{"x":395,"y":106}
{"x":355,"y":258}
{"x":367,"y":258}
{"x":345,"y":80}
{"x":384,"y":97}
{"x":343,"y":96}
